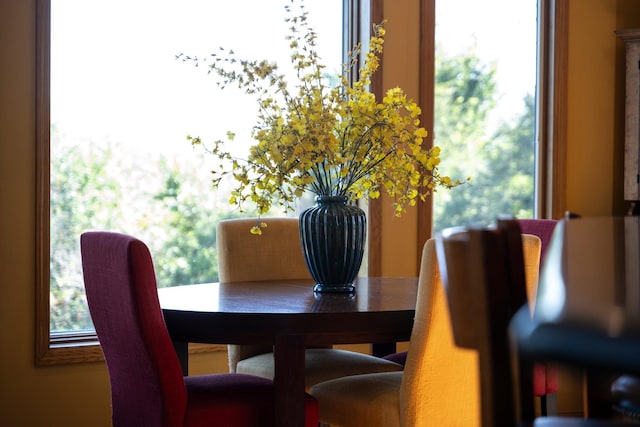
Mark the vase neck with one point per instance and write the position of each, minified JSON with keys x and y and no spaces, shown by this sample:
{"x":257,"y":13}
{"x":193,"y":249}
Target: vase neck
{"x":331,"y":199}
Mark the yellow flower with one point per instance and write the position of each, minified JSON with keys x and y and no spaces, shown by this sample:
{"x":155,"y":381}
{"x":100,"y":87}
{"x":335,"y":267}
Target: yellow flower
{"x":256,"y":230}
{"x":421,"y":133}
{"x":327,"y":139}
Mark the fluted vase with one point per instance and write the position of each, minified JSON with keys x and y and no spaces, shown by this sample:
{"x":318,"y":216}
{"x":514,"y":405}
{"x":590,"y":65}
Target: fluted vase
{"x":333,"y":235}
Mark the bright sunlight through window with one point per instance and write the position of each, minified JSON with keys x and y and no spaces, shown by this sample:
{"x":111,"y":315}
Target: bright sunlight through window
{"x":121,"y":108}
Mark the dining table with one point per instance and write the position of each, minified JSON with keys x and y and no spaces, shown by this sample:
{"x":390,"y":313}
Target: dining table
{"x":289,"y":315}
{"x":587,"y":308}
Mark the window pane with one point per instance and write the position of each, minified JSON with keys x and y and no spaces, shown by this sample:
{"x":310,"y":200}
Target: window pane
{"x":121,"y":108}
{"x":485,"y":108}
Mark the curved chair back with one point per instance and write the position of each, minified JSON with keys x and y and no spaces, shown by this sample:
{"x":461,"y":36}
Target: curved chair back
{"x":440,"y":384}
{"x":147,"y":386}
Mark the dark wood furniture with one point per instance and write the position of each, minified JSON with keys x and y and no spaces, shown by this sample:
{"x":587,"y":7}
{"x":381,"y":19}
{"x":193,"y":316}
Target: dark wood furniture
{"x":588,"y":306}
{"x":289,"y":316}
{"x":484,"y":273}
{"x":631,"y":38}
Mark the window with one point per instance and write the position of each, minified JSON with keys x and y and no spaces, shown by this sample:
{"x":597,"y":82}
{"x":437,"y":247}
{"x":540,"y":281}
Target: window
{"x":485,"y":108}
{"x":550,"y":109}
{"x":70,"y":344}
{"x":121,"y":106}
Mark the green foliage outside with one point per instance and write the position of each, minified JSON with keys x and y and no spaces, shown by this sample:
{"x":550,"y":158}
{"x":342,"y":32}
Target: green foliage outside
{"x":500,"y":160}
{"x":169,"y":204}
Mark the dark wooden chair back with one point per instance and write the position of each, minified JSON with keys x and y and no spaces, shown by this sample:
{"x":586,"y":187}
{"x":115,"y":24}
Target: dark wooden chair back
{"x":483,"y":272}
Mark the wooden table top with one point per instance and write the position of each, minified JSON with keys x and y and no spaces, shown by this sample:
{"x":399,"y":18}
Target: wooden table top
{"x":289,"y":316}
{"x":381,"y":310}
{"x":291,"y":296}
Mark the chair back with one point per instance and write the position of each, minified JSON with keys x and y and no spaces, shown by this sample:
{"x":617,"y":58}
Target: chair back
{"x":440,"y":384}
{"x":484,"y":273}
{"x":275,"y":254}
{"x":242,"y":256}
{"x":147,"y":386}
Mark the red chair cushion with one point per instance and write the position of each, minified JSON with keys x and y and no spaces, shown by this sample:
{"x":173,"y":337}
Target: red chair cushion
{"x":235,"y":400}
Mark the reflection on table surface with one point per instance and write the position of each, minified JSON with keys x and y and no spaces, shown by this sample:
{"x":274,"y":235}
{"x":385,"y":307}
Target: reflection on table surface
{"x":291,"y":296}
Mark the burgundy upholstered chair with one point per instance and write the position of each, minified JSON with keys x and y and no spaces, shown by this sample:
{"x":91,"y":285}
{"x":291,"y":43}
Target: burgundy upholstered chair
{"x":147,"y":385}
{"x":545,"y":377}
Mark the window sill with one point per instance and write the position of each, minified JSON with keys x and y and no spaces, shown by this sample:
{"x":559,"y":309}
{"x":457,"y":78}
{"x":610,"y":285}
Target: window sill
{"x":83,"y":347}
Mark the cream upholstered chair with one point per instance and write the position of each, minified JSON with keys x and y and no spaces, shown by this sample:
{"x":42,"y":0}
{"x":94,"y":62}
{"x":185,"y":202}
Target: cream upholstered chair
{"x":440,"y":383}
{"x":277,"y":254}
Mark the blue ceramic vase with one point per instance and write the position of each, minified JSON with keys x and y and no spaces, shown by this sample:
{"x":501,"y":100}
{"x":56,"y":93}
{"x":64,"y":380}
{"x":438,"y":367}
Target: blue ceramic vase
{"x":333,"y":235}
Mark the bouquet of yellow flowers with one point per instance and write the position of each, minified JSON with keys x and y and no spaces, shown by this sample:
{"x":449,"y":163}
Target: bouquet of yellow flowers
{"x":330,"y":140}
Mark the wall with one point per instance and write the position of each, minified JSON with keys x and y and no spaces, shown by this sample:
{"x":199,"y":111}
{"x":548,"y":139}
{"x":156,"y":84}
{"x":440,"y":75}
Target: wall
{"x":595,"y":139}
{"x":401,"y":50}
{"x":596,"y":105}
{"x":78,"y":395}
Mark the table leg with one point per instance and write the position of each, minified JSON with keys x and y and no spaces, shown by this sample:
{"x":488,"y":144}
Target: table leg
{"x":383,"y":349}
{"x":289,"y":380}
{"x":182,"y":350}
